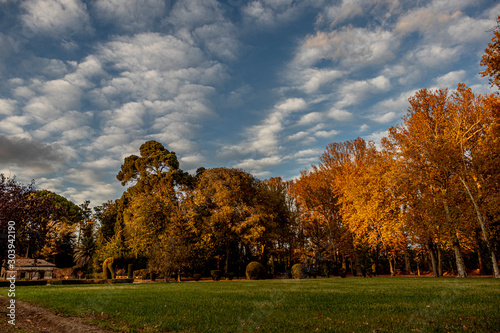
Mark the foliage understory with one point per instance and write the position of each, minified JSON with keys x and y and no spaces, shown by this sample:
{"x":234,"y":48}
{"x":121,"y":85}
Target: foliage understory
{"x":312,"y":305}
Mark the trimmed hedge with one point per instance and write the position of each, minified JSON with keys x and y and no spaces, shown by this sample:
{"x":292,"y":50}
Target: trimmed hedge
{"x":58,"y":282}
{"x":255,"y":271}
{"x":6,"y":283}
{"x":122,"y":280}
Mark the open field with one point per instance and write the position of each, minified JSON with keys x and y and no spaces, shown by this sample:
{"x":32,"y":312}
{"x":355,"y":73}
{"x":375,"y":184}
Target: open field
{"x":312,"y":305}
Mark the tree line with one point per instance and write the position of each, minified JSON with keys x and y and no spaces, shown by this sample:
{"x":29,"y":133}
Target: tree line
{"x":426,"y":199}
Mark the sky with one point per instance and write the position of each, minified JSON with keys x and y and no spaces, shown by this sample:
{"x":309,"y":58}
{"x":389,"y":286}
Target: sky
{"x":259,"y":85}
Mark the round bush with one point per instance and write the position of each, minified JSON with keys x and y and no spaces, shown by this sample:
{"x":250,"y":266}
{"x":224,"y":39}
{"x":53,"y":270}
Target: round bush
{"x":255,"y":271}
{"x":298,"y":271}
{"x":343,"y":273}
{"x":216,"y":274}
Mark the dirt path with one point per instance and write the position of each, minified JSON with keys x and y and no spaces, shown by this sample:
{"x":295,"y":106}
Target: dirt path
{"x":33,"y":318}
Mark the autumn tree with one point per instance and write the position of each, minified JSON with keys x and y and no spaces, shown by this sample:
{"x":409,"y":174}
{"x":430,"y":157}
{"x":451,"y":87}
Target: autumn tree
{"x":232,"y":208}
{"x":276,"y":202}
{"x":321,"y":230}
{"x":491,"y":58}
{"x":45,"y":221}
{"x":452,"y":136}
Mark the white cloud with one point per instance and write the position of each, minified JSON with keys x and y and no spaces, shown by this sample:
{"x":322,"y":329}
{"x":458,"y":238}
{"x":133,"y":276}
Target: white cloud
{"x":310,"y":118}
{"x":191,"y":161}
{"x":56,"y":17}
{"x":397,"y":104}
{"x":129,"y":15}
{"x":41,"y":109}
{"x":258,"y":164}
{"x":298,"y":136}
{"x":316,"y":78}
{"x":376,"y":137}
{"x":219,"y":40}
{"x":129,"y":116}
{"x":327,"y":134}
{"x":292,"y":105}
{"x":102,"y":163}
{"x":98,"y":191}
{"x":434,"y":55}
{"x":61,"y":94}
{"x":451,"y":79}
{"x":150,"y":51}
{"x":311,"y":152}
{"x":14,"y":125}
{"x":352,"y":47}
{"x":386,"y":117}
{"x":340,"y":115}
{"x":265,"y":137}
{"x":425,"y":20}
{"x":77,"y":134}
{"x":364,"y":128}
{"x":71,"y":120}
{"x":469,"y":30}
{"x":268,"y":13}
{"x":7,"y":107}
{"x":355,"y":92}
{"x":189,"y":14}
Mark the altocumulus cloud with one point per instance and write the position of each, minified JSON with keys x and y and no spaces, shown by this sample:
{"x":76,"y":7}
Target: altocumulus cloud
{"x":262,"y":85}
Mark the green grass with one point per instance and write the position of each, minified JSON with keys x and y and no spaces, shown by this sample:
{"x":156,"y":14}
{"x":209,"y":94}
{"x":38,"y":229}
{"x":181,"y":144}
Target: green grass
{"x":313,"y":305}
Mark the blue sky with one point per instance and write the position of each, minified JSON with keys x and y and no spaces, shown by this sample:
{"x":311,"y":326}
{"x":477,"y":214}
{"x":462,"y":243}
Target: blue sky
{"x":260,"y":85}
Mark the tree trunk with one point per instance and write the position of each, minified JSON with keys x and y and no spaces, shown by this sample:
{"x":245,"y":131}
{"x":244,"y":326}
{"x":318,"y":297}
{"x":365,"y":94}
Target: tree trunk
{"x":391,"y":266}
{"x":480,"y":255}
{"x":461,"y":272}
{"x":440,"y":260}
{"x":407,"y":262}
{"x":430,"y":248}
{"x":480,"y":219}
{"x":226,"y":266}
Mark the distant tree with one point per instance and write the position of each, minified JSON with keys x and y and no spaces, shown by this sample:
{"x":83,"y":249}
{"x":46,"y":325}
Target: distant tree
{"x":84,"y":252}
{"x":491,"y":58}
{"x":106,"y":217}
{"x":235,"y":210}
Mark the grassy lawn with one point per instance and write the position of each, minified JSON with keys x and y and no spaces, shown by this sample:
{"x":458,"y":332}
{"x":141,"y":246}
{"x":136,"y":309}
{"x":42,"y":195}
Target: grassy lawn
{"x":313,"y":305}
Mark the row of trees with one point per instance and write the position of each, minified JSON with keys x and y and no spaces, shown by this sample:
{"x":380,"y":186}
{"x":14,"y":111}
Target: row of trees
{"x":433,"y":185}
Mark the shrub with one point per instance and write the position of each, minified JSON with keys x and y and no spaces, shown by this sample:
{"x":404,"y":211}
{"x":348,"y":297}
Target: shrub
{"x":24,"y":283}
{"x":343,"y":272}
{"x":255,"y":271}
{"x":299,"y":271}
{"x":230,"y":275}
{"x":216,"y":274}
{"x":197,"y":277}
{"x":107,"y":269}
{"x":141,"y":274}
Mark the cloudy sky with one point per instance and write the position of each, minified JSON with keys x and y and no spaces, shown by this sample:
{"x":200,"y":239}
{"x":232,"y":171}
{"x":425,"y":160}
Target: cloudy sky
{"x":260,"y":85}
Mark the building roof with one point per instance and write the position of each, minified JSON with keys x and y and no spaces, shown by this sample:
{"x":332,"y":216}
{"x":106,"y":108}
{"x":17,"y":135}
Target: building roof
{"x":33,"y":263}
